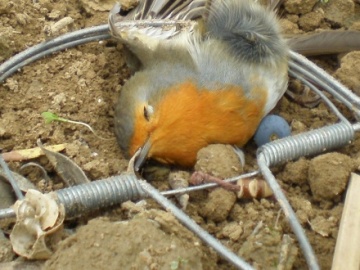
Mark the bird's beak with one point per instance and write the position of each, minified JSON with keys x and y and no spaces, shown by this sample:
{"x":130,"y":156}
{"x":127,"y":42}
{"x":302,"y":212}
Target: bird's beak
{"x":144,"y":151}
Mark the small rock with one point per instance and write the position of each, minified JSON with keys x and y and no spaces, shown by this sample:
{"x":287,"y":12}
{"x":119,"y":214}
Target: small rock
{"x":12,"y":85}
{"x":292,"y":18}
{"x":218,"y":205}
{"x":296,"y":172}
{"x":329,"y":175}
{"x":93,"y":7}
{"x":299,"y":6}
{"x":232,"y":230}
{"x":338,"y":11}
{"x":297,"y":126}
{"x":349,"y":71}
{"x":303,"y":208}
{"x":289,"y":28}
{"x":96,"y":169}
{"x":59,"y":99}
{"x":323,"y":226}
{"x":310,"y":21}
{"x":128,"y":4}
{"x":22,"y":19}
{"x":55,"y":14}
{"x":59,"y":27}
{"x":218,"y":160}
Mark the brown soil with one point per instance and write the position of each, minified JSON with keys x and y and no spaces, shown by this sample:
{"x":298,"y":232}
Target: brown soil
{"x":83,"y":83}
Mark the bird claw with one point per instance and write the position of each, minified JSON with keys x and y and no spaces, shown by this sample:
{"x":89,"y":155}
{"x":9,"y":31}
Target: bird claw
{"x":240,"y":153}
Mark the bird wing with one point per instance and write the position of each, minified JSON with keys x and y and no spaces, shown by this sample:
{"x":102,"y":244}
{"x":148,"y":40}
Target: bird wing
{"x":152,"y":21}
{"x":157,"y":19}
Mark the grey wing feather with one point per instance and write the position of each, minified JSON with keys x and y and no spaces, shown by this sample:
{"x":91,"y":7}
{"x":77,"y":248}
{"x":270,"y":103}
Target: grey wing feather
{"x":142,"y":28}
{"x":160,"y":14}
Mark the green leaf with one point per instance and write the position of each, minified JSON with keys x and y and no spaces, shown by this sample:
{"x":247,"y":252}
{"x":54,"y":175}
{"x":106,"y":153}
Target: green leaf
{"x":49,"y":117}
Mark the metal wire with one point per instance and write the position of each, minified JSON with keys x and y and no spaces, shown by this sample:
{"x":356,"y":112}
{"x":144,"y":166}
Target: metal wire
{"x":327,"y":82}
{"x":7,"y":213}
{"x":321,"y":94}
{"x":323,"y":85}
{"x":11,"y":179}
{"x":208,"y":185}
{"x":43,"y":49}
{"x":289,"y":212}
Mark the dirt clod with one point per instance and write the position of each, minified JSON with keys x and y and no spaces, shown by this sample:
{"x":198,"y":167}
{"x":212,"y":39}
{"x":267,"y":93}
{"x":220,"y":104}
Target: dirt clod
{"x":150,"y":246}
{"x":218,"y":160}
{"x":218,"y":205}
{"x":296,"y":172}
{"x":349,"y":70}
{"x":299,"y":6}
{"x":329,"y":174}
{"x":310,"y":21}
{"x":339,"y":11}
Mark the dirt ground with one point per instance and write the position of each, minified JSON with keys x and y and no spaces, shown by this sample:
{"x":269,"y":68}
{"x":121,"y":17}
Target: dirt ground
{"x":83,"y":84}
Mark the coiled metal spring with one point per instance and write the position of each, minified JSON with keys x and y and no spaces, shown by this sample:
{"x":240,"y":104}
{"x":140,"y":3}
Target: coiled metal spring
{"x":308,"y":143}
{"x":114,"y":190}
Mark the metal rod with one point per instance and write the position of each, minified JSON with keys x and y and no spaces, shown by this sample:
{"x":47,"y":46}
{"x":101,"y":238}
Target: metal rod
{"x":331,"y":81}
{"x":11,"y":179}
{"x":11,"y":70}
{"x":107,"y":192}
{"x":67,"y":38}
{"x":331,"y":105}
{"x":289,"y":213}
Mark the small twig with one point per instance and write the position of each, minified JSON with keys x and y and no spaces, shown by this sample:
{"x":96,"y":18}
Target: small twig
{"x":278,"y":218}
{"x":198,"y":178}
{"x":244,"y":188}
{"x":285,"y":252}
{"x":31,"y":153}
{"x":257,"y":228}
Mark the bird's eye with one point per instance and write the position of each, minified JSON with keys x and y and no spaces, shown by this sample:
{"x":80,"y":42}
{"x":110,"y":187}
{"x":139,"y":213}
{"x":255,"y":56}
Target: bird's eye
{"x":148,"y":111}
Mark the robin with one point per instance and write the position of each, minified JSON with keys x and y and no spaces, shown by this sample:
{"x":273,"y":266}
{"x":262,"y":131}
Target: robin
{"x":209,"y":72}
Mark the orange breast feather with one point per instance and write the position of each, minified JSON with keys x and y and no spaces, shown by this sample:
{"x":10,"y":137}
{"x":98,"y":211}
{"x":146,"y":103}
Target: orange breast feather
{"x":188,"y":119}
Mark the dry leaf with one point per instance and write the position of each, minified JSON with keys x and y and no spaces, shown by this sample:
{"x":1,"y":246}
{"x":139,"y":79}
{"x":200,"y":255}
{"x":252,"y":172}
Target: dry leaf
{"x":25,"y":154}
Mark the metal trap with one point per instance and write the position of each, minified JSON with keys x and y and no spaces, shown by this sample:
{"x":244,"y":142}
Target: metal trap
{"x":117,"y":189}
